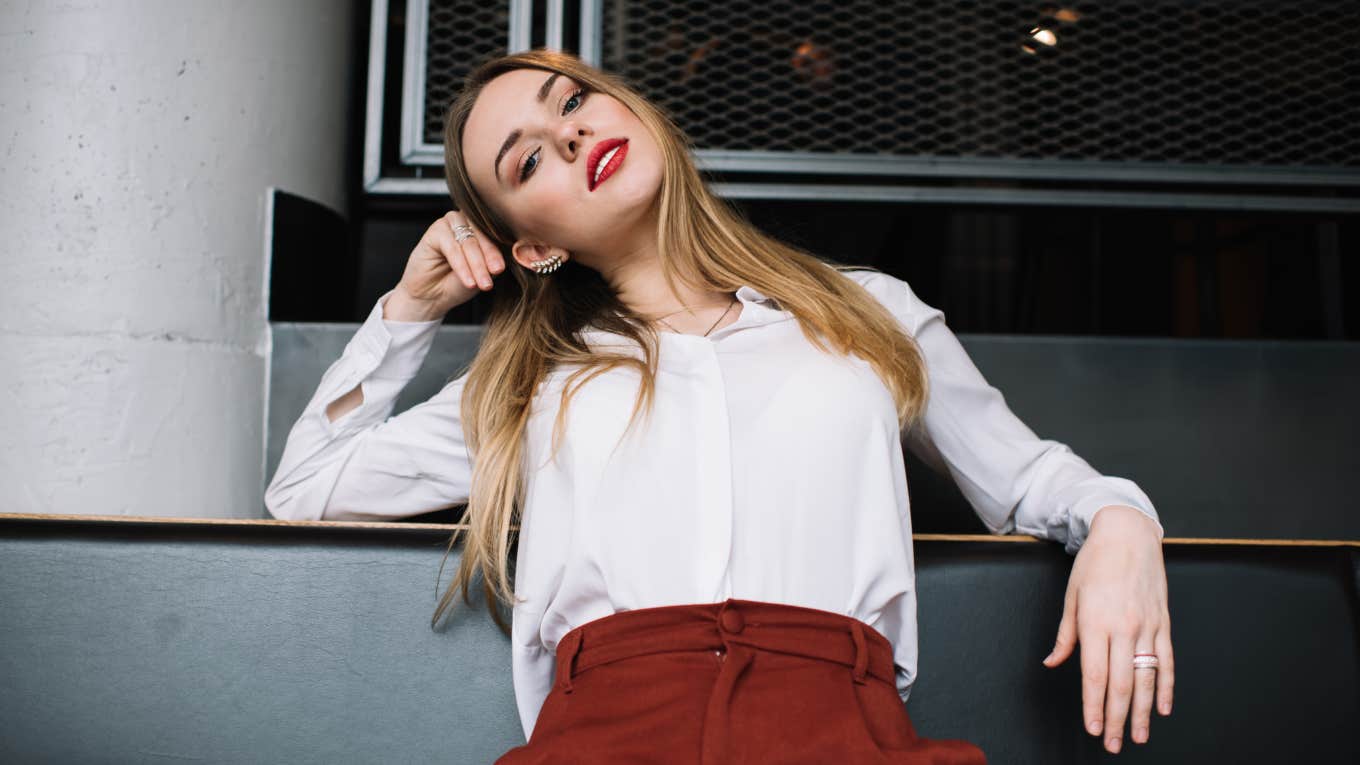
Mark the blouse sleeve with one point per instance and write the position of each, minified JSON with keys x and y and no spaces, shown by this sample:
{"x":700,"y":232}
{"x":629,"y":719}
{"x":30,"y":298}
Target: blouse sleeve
{"x":1014,"y":480}
{"x":367,"y":465}
{"x":532,"y":668}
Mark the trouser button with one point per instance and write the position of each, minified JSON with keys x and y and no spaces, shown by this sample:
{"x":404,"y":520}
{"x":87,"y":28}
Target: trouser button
{"x":732,"y":621}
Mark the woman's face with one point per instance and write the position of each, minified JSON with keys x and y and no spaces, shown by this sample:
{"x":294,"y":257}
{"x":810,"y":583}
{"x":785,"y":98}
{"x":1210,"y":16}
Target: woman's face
{"x":528,"y":144}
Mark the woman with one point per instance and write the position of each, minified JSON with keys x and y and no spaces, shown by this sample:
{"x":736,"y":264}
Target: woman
{"x":698,"y":430}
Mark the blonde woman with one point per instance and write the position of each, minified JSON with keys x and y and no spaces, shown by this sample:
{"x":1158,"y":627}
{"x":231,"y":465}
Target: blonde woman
{"x":694,"y":431}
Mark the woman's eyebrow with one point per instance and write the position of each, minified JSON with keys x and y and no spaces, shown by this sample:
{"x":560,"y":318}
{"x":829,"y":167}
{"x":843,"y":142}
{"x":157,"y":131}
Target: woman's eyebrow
{"x":515,"y":134}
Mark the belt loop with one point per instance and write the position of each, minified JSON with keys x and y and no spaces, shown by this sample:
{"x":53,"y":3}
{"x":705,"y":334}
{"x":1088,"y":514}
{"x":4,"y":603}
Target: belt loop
{"x":566,"y":660}
{"x":861,"y":652}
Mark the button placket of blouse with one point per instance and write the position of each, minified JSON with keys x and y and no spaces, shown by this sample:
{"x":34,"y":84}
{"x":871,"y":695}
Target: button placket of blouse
{"x":715,"y":476}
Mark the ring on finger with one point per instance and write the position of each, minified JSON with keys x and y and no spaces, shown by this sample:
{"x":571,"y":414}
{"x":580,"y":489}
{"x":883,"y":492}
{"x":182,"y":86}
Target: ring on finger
{"x":462,"y":231}
{"x":1145,"y":661}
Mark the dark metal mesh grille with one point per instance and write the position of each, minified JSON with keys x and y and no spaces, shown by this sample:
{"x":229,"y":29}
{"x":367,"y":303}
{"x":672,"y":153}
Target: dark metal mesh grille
{"x":459,"y":36}
{"x":1186,"y":81}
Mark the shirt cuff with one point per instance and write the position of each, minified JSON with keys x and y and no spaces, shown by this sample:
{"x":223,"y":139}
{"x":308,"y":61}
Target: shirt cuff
{"x":1083,"y":515}
{"x":396,"y":349}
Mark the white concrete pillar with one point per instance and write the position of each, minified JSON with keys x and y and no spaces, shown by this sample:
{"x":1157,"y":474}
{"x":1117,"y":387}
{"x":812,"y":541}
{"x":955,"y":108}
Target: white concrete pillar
{"x":137,"y":141}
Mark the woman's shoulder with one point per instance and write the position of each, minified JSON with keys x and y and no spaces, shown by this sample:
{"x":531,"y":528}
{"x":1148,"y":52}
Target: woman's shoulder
{"x":864,"y":275}
{"x":872,"y":278}
{"x":894,"y":293}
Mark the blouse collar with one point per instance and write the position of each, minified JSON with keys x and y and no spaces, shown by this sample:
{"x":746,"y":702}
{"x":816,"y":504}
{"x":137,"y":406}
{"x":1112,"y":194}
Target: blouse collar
{"x":748,"y":294}
{"x":757,"y":310}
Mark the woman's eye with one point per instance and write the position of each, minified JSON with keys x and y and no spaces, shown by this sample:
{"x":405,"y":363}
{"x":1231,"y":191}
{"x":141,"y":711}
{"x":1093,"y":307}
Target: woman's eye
{"x":570,"y":105}
{"x":579,"y":94}
{"x":528,"y":168}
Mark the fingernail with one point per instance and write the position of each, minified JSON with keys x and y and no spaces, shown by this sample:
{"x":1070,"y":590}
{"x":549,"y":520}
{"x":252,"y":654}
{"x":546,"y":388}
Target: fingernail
{"x":1114,"y":744}
{"x":1166,"y":709}
{"x":1142,"y":735}
{"x":1094,"y":727}
{"x":1048,"y":658}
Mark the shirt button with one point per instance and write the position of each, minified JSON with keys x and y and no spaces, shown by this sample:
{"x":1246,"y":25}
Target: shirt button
{"x":732,"y":621}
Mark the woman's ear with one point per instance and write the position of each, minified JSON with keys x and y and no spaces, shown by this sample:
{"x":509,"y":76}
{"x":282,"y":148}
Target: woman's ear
{"x":528,"y":253}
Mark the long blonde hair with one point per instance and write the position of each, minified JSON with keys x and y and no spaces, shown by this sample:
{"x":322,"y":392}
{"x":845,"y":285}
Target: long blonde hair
{"x":534,"y":320}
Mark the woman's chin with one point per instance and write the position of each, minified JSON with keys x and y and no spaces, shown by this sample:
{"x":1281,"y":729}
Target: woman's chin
{"x":629,"y":195}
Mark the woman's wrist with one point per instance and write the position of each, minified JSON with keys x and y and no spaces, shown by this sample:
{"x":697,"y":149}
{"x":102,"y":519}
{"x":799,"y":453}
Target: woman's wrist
{"x":1124,"y":518}
{"x":400,"y":306}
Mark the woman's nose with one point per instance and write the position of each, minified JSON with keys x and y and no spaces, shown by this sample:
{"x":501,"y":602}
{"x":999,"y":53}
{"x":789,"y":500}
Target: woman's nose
{"x":573,"y":139}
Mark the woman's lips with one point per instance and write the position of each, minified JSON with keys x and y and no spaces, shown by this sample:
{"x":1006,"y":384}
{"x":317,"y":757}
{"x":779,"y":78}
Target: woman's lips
{"x":614,"y":163}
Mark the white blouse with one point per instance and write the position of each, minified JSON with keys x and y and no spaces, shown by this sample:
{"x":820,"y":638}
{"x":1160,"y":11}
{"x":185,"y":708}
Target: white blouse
{"x":769,"y":471}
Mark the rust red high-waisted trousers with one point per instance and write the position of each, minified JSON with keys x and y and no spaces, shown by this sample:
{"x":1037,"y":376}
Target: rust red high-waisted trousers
{"x":732,"y":683}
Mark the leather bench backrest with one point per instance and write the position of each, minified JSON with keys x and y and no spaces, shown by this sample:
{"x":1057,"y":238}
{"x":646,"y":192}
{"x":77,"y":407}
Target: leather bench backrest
{"x":278,"y":642}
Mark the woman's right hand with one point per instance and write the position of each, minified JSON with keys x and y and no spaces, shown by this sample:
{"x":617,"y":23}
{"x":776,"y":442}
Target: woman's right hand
{"x":443,"y":273}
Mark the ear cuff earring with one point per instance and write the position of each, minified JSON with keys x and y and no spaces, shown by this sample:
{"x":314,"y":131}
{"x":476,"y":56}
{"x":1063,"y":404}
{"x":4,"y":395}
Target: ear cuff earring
{"x":547,"y":266}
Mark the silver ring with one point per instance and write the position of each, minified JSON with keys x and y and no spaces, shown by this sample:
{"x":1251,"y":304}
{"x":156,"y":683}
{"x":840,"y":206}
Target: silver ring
{"x":1145,"y":660}
{"x":462,"y":231}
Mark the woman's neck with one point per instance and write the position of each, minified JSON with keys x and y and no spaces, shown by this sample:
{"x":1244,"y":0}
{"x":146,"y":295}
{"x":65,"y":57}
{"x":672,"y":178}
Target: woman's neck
{"x":642,"y":288}
{"x":702,"y":321}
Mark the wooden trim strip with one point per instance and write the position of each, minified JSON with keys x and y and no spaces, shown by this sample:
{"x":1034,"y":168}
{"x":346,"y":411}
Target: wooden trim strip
{"x":153,"y":520}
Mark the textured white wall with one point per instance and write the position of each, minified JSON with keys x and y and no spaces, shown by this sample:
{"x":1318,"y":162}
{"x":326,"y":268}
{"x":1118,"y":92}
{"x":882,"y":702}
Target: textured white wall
{"x":137,"y":141}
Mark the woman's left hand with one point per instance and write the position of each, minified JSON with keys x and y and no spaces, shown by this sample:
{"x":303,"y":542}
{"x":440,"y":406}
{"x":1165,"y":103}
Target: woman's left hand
{"x":1116,"y":606}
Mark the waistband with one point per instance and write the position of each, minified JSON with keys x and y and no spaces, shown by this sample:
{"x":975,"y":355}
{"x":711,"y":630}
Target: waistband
{"x":794,"y":630}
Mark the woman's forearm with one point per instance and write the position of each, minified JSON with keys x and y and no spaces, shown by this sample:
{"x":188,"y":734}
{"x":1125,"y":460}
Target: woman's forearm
{"x":346,"y":403}
{"x":397,"y":307}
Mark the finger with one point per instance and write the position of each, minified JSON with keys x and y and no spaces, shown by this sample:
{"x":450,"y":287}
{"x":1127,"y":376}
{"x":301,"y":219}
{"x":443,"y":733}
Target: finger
{"x":1067,"y":635}
{"x":491,"y":254}
{"x":452,"y":254}
{"x":495,"y":263}
{"x":1095,"y":656}
{"x":1120,"y":690}
{"x":472,"y":253}
{"x":1166,"y":669}
{"x":1144,"y":689}
{"x":451,"y":250}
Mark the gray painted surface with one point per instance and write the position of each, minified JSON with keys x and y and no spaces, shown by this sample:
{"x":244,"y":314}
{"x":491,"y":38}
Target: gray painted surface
{"x":301,"y":644}
{"x":123,"y":646}
{"x":139,"y":142}
{"x":1229,"y":438}
{"x":303,"y":352}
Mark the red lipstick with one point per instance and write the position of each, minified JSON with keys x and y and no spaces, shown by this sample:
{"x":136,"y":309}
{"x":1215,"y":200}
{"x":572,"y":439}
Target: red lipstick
{"x":597,"y":153}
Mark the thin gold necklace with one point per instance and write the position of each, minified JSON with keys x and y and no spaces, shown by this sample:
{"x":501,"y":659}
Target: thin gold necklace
{"x":689,"y":308}
{"x":710,"y":329}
